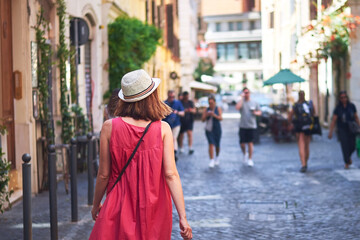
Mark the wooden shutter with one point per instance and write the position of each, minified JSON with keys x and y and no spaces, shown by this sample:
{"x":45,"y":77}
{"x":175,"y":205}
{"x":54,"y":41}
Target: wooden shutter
{"x":169,"y":26}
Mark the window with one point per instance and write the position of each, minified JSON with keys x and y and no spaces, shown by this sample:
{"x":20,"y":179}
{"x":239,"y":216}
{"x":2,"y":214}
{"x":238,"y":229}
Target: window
{"x":271,"y":20}
{"x":220,"y":50}
{"x":153,"y":13}
{"x":248,"y":5}
{"x":239,"y":26}
{"x":254,"y":50}
{"x":230,"y":52}
{"x":236,"y":51}
{"x":313,"y":9}
{"x":251,"y":4}
{"x":243,"y":52}
{"x":252,"y":25}
{"x":231,"y":26}
{"x":218,"y":27}
{"x":170,"y":27}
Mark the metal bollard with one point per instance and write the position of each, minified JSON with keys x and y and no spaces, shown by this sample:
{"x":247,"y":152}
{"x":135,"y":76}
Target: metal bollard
{"x":52,"y":192}
{"x":26,"y":171}
{"x":73,"y":180}
{"x":90,"y":166}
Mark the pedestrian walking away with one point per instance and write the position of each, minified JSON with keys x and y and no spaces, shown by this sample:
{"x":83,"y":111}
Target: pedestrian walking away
{"x":137,"y":168}
{"x":187,"y":122}
{"x":344,"y":114}
{"x":300,"y":120}
{"x":248,"y":111}
{"x":213,"y":115}
{"x":173,"y":119}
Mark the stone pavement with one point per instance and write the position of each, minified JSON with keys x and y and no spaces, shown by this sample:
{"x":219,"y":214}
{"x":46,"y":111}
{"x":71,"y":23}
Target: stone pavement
{"x":272,"y":200}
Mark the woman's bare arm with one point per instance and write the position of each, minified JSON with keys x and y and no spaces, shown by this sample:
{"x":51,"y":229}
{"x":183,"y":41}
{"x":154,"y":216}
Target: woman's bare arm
{"x":102,"y":178}
{"x":173,"y":180}
{"x":204,"y":115}
{"x":332,"y":125}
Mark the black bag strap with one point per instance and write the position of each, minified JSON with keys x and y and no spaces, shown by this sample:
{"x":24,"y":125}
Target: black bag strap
{"x":131,"y":156}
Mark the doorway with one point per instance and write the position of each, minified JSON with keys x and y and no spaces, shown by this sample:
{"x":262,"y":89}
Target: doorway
{"x":6,"y":78}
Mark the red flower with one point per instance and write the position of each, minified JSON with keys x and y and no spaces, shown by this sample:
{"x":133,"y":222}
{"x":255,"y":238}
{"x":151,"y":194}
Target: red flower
{"x":348,"y":75}
{"x":332,"y":38}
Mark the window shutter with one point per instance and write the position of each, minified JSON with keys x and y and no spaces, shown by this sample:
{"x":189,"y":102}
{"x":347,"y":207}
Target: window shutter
{"x":153,"y":13}
{"x":169,"y":24}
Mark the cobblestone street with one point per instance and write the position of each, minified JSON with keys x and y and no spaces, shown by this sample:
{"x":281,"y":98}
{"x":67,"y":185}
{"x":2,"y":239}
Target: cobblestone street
{"x":272,"y":200}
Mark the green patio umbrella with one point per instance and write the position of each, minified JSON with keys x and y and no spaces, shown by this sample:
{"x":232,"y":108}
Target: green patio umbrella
{"x":284,"y":76}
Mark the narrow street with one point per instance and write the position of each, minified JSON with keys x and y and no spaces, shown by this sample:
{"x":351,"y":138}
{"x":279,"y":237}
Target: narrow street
{"x":272,"y":200}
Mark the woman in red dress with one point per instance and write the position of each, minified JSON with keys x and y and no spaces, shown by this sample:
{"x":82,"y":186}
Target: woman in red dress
{"x":139,"y":205}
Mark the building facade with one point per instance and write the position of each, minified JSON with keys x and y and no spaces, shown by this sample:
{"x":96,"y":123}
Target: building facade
{"x":291,"y":42}
{"x":165,"y":64}
{"x":188,"y":27}
{"x":19,"y":62}
{"x":234,"y":37}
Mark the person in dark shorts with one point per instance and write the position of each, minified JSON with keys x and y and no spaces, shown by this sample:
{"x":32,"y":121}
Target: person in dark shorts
{"x":344,"y":113}
{"x":187,"y":122}
{"x":248,"y":111}
{"x":300,"y":119}
{"x":213,"y":115}
{"x":173,"y":119}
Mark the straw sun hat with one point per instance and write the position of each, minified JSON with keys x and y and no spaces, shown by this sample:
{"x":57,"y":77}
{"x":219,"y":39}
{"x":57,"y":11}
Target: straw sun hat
{"x":137,"y":85}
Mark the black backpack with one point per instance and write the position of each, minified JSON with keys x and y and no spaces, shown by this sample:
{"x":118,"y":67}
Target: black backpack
{"x":302,"y":118}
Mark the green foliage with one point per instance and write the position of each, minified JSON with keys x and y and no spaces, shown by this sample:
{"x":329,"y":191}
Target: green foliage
{"x":44,"y":64}
{"x":205,"y":67}
{"x":72,"y":74}
{"x":81,"y":122}
{"x":131,"y":44}
{"x":63,"y":54}
{"x":4,"y":177}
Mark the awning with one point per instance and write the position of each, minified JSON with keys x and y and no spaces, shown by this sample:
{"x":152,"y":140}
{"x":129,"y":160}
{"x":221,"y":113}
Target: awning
{"x":202,"y":86}
{"x":284,"y":76}
{"x":217,"y":80}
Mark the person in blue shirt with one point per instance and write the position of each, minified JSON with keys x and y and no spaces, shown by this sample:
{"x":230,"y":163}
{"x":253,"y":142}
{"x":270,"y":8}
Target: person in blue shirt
{"x":173,"y":119}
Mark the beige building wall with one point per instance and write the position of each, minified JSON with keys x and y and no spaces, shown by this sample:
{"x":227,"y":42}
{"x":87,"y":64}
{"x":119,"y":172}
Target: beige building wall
{"x":223,"y":7}
{"x":188,"y":40}
{"x":91,"y":12}
{"x":163,"y":62}
{"x":355,"y":59}
{"x":25,"y":124}
{"x":282,"y":24}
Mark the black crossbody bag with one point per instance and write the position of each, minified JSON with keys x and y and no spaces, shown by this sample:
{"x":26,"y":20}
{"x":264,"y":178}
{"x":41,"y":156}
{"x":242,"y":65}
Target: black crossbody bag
{"x":131,"y":156}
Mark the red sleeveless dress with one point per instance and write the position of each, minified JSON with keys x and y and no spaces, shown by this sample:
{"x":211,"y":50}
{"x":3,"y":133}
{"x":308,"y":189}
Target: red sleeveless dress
{"x":139,"y":206}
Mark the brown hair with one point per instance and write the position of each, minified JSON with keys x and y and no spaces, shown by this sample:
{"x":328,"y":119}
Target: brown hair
{"x":114,"y":98}
{"x":149,"y":108}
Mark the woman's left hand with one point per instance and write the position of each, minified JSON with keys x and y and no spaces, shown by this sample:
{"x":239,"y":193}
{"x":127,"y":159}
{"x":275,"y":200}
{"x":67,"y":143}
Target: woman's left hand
{"x":95,"y":211}
{"x":186,"y":231}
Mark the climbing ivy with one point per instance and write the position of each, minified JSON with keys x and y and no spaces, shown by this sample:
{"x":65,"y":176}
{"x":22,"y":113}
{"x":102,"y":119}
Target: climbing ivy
{"x":72,"y":74}
{"x":131,"y":44}
{"x":4,"y":177}
{"x":63,"y":54}
{"x":44,"y":64}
